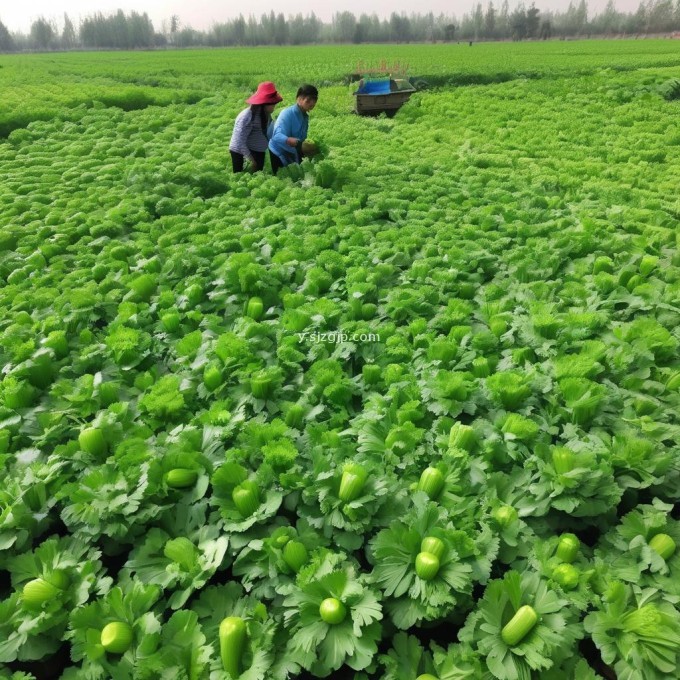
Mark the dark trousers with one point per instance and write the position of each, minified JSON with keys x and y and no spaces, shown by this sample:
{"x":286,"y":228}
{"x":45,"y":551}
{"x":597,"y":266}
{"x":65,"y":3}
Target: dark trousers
{"x":237,"y":160}
{"x":277,"y":164}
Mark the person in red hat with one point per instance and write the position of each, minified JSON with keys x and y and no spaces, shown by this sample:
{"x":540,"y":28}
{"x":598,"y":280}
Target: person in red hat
{"x":252,"y":128}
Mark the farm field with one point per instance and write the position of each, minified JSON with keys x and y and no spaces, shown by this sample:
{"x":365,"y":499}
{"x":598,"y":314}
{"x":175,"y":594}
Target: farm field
{"x":408,"y":413}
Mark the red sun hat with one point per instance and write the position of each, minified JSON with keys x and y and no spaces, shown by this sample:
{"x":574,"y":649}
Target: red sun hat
{"x":266,"y":94}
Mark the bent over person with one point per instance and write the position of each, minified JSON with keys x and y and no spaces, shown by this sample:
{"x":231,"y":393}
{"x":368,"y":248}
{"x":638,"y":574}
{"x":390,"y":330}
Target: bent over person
{"x":290,"y":129}
{"x":252,"y":128}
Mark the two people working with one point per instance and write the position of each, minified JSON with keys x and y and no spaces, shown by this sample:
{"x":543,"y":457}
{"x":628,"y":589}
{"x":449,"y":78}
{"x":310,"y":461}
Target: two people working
{"x":255,"y":131}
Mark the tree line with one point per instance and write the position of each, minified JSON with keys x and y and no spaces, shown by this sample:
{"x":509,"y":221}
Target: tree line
{"x":491,"y":22}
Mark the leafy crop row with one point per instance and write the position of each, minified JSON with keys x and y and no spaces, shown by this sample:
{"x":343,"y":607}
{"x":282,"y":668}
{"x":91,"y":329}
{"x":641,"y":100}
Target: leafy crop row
{"x":47,"y":86}
{"x":485,"y":487}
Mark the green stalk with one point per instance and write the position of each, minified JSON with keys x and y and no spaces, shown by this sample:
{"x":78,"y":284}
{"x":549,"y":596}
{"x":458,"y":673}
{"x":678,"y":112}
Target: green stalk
{"x":563,"y":460}
{"x":170,"y":321}
{"x":233,"y":637}
{"x":261,"y":384}
{"x":352,"y":482}
{"x":461,"y":437}
{"x":246,"y":498}
{"x":116,"y":637}
{"x":431,"y":482}
{"x":505,"y":515}
{"x":38,"y":591}
{"x":212,"y":377}
{"x":566,"y":575}
{"x":295,"y":416}
{"x":519,"y":626}
{"x":664,"y":545}
{"x":371,"y":373}
{"x":427,"y":566}
{"x":567,"y":548}
{"x":255,"y":308}
{"x":480,"y":367}
{"x":332,"y":611}
{"x":295,"y":555}
{"x":181,"y":478}
{"x":91,"y":440}
{"x":432,"y":545}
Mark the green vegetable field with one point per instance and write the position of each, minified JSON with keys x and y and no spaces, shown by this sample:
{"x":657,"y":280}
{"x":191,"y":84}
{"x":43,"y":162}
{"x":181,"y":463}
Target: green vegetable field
{"x":408,"y":412}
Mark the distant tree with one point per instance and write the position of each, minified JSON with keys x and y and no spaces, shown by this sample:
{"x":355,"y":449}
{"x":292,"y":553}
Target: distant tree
{"x":281,"y":30}
{"x":637,"y":23}
{"x":141,"y":33}
{"x":406,"y":29}
{"x":188,"y":37}
{"x":661,"y":16}
{"x":503,"y":20}
{"x":490,"y":21}
{"x":467,"y":27}
{"x":400,"y":28}
{"x":6,"y":40}
{"x":344,"y":25}
{"x":582,"y":17}
{"x":546,"y":30}
{"x":486,"y":19}
{"x":87,"y":32}
{"x":406,"y":35}
{"x":313,"y":27}
{"x":68,"y":35}
{"x":609,"y":21}
{"x":478,"y":20}
{"x":518,"y":23}
{"x":120,"y":33}
{"x":532,"y":21}
{"x":363,"y":30}
{"x":296,"y":30}
{"x":611,"y":16}
{"x":220,"y":35}
{"x":267,"y":25}
{"x":395,"y":27}
{"x":428,"y":28}
{"x":42,"y":33}
{"x":239,"y":30}
{"x":569,"y":21}
{"x":371,"y":29}
{"x":252,"y":31}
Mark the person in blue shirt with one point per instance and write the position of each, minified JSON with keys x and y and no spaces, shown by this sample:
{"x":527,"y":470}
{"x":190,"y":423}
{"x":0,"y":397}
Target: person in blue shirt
{"x":290,"y":129}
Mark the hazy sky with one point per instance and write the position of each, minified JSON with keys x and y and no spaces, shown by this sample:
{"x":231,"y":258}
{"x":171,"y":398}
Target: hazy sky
{"x":17,"y":15}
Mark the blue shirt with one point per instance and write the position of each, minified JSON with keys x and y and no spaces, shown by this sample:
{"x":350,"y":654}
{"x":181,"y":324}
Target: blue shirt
{"x":292,"y":122}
